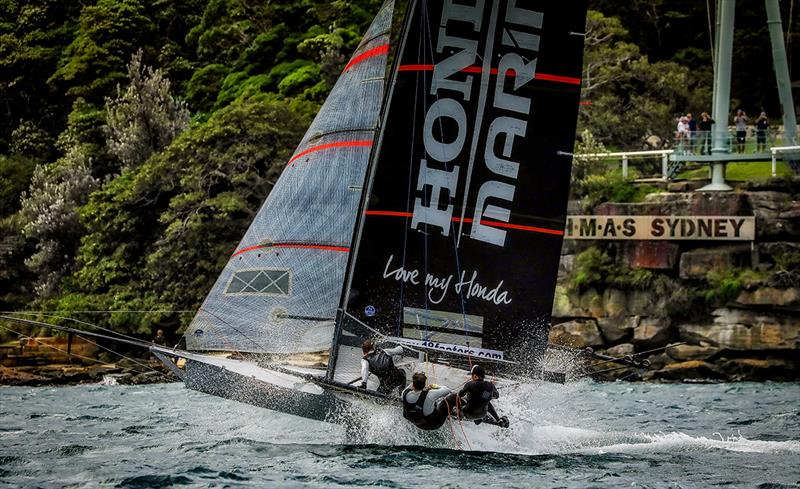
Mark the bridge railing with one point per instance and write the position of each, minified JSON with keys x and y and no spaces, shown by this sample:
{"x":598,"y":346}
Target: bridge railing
{"x":627,"y":156}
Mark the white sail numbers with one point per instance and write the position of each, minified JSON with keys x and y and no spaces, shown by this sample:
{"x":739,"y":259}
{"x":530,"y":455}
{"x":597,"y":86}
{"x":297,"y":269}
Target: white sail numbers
{"x":452,"y":85}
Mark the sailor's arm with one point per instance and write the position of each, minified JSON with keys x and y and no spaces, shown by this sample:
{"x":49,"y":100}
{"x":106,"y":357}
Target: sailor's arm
{"x":397,"y":350}
{"x":433,"y":396}
{"x":364,"y":373}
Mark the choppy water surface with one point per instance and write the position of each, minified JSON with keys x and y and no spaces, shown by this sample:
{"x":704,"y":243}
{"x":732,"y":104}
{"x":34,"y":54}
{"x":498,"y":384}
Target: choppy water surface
{"x":578,"y":435}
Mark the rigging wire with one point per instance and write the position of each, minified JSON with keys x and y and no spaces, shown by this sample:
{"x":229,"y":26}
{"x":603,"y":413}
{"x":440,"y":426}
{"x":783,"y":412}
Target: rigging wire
{"x":56,"y":348}
{"x":408,"y":191}
{"x":101,"y":328}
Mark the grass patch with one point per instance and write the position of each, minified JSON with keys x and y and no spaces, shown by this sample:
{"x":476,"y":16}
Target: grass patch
{"x":740,"y":171}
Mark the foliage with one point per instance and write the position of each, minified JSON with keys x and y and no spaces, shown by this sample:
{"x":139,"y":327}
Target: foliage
{"x":725,"y":285}
{"x":584,"y":164}
{"x":596,"y":268}
{"x":144,"y":119}
{"x":788,"y":261}
{"x":49,"y":210}
{"x":631,"y":97}
{"x":95,"y":61}
{"x":15,"y":176}
{"x":612,"y":187}
{"x":185,"y":207}
{"x":32,"y":36}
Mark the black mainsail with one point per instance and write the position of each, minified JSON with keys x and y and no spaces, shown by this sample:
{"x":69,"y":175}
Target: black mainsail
{"x":458,"y":242}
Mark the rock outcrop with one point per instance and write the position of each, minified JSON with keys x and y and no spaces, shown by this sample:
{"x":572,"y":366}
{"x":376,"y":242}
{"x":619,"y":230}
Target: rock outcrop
{"x":747,"y":329}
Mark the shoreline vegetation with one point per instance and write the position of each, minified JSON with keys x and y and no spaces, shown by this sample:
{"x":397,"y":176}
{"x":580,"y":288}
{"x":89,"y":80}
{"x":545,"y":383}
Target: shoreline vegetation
{"x":141,"y":137}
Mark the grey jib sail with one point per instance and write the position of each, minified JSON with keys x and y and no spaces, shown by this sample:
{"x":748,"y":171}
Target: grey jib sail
{"x":280,"y":290}
{"x":458,"y":245}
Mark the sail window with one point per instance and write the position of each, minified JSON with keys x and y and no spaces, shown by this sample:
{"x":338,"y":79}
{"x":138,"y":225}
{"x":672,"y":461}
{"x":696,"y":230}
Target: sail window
{"x":266,"y":282}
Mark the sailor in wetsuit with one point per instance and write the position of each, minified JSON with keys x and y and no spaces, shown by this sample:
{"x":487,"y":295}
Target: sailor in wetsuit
{"x":427,"y":407}
{"x":379,"y":363}
{"x":479,"y":394}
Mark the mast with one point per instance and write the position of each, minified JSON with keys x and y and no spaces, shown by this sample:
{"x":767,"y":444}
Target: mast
{"x":340,"y":317}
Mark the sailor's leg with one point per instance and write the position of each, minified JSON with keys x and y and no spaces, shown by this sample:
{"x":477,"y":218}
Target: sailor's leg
{"x":492,"y":412}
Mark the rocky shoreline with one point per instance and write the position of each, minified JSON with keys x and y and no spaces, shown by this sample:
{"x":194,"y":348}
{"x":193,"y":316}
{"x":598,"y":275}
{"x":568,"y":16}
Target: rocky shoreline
{"x":58,"y":375}
{"x":734,"y":308}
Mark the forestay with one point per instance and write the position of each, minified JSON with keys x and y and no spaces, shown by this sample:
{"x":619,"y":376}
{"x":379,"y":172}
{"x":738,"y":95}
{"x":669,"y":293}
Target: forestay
{"x":458,"y":245}
{"x":280,"y":289}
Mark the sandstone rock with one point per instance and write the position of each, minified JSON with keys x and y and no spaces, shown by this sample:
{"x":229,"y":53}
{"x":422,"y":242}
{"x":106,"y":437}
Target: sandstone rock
{"x":562,"y":307}
{"x":642,"y":302}
{"x":686,"y":185}
{"x":654,"y":255}
{"x":592,"y":302}
{"x":565,"y":266}
{"x":620,"y":350}
{"x":683,"y":353}
{"x":769,"y":296}
{"x":755,"y":369}
{"x":700,"y":204}
{"x":617,"y":329}
{"x":737,"y":330}
{"x":697,"y":263}
{"x":652,"y":332}
{"x":615,"y":303}
{"x":693,"y":369}
{"x":777,"y":214}
{"x":659,"y":361}
{"x":778,"y":184}
{"x":577,"y":333}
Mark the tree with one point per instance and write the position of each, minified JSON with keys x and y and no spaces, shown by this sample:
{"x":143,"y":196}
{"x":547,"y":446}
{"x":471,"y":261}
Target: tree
{"x":33,"y":34}
{"x":110,"y":32}
{"x":161,"y":232}
{"x":49,"y":213}
{"x":631,"y":98}
{"x":145,"y":118}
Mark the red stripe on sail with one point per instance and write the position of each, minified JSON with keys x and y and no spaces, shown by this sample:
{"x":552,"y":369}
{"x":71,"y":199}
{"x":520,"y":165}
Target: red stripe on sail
{"x":467,"y":220}
{"x":415,"y":68}
{"x":383,"y":49}
{"x":342,"y":249}
{"x":493,"y":71}
{"x":341,"y":144}
{"x":388,"y":213}
{"x":558,"y":79}
{"x":532,"y":229}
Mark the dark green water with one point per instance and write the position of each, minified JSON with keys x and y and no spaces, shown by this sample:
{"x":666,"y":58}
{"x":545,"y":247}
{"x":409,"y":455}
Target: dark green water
{"x":578,"y":435}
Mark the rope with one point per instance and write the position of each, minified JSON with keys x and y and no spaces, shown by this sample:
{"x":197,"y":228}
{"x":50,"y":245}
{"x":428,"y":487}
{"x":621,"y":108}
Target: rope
{"x":452,"y":430}
{"x":458,"y":409}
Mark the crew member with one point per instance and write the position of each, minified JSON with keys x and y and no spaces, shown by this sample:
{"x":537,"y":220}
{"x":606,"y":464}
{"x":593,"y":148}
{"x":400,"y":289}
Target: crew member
{"x":479,"y":394}
{"x":426,"y":406}
{"x":379,"y":363}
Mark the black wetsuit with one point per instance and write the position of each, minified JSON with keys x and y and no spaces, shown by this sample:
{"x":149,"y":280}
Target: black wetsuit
{"x":381,"y":364}
{"x":438,"y":407}
{"x":479,"y":394}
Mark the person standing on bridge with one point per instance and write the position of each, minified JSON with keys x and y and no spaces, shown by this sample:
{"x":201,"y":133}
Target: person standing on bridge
{"x":741,"y":130}
{"x":704,"y":130}
{"x":762,"y":124}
